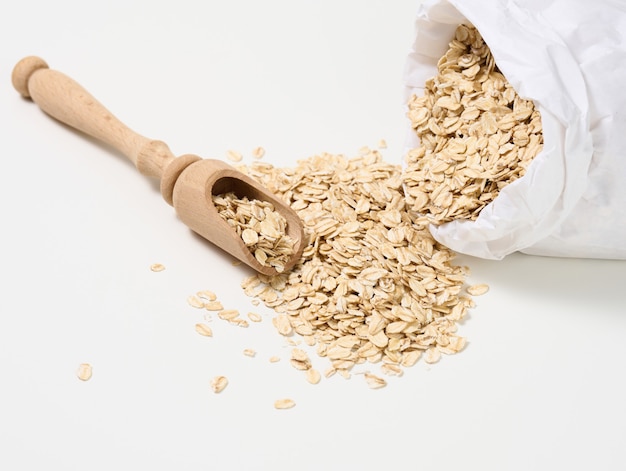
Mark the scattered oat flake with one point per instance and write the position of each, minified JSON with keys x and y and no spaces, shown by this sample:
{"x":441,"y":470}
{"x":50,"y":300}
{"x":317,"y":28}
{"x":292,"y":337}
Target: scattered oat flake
{"x":391,"y":369}
{"x":382,"y":144}
{"x":299,"y":354}
{"x":258,"y":152}
{"x":410,"y":358}
{"x":274,"y":359}
{"x":375,"y":382}
{"x":284,"y":403}
{"x":433,"y":355}
{"x":206,"y":295}
{"x":84,"y":371}
{"x":228,"y":314}
{"x":234,"y":156}
{"x":254,"y":317}
{"x":213,"y":306}
{"x":195,"y":301}
{"x":313,"y":376}
{"x":204,"y":329}
{"x":477,"y":290}
{"x":218,"y":383}
{"x":249,"y":352}
{"x":300,"y":365}
{"x":157,"y":267}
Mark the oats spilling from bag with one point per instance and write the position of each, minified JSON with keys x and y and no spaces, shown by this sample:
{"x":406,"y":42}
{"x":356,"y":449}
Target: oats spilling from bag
{"x":260,"y":226}
{"x":476,"y":134}
{"x":372,"y":284}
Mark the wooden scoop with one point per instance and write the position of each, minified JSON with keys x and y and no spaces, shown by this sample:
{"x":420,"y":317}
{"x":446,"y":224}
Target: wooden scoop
{"x":187,"y":182}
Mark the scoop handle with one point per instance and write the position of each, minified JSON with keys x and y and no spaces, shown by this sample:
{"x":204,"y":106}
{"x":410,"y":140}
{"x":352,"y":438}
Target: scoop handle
{"x":67,"y":101}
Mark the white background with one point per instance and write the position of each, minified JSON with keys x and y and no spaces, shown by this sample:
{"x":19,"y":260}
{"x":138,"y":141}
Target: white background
{"x":539,"y":386}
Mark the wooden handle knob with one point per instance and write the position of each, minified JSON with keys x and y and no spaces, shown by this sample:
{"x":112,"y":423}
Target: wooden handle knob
{"x":64,"y":99}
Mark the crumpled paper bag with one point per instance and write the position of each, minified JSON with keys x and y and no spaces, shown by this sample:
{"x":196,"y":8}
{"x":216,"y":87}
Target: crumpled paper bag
{"x":569,"y":57}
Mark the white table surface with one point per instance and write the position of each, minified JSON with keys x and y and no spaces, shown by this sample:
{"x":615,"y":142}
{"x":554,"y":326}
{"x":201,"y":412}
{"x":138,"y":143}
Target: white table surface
{"x":539,"y":386}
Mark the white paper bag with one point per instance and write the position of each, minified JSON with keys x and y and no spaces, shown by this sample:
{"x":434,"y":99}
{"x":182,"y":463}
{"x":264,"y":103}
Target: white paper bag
{"x":569,"y":58}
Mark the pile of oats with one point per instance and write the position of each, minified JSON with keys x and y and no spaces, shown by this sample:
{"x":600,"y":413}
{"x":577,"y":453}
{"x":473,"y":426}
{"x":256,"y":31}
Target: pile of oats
{"x":372,"y":284}
{"x":476,"y":134}
{"x":260,"y":226}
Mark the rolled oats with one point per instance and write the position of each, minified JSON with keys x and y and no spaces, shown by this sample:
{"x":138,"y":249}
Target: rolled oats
{"x":228,"y":314}
{"x":84,"y":372}
{"x":204,"y":329}
{"x":300,"y":359}
{"x":213,"y":306}
{"x":372,"y":284}
{"x":218,"y":383}
{"x":313,"y":376}
{"x":477,"y":290}
{"x":195,"y":301}
{"x":433,"y":355}
{"x":261,"y":228}
{"x":476,"y":134}
{"x":391,"y":369}
{"x":284,"y":403}
{"x":234,"y":156}
{"x":206,"y":295}
{"x":375,"y":382}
